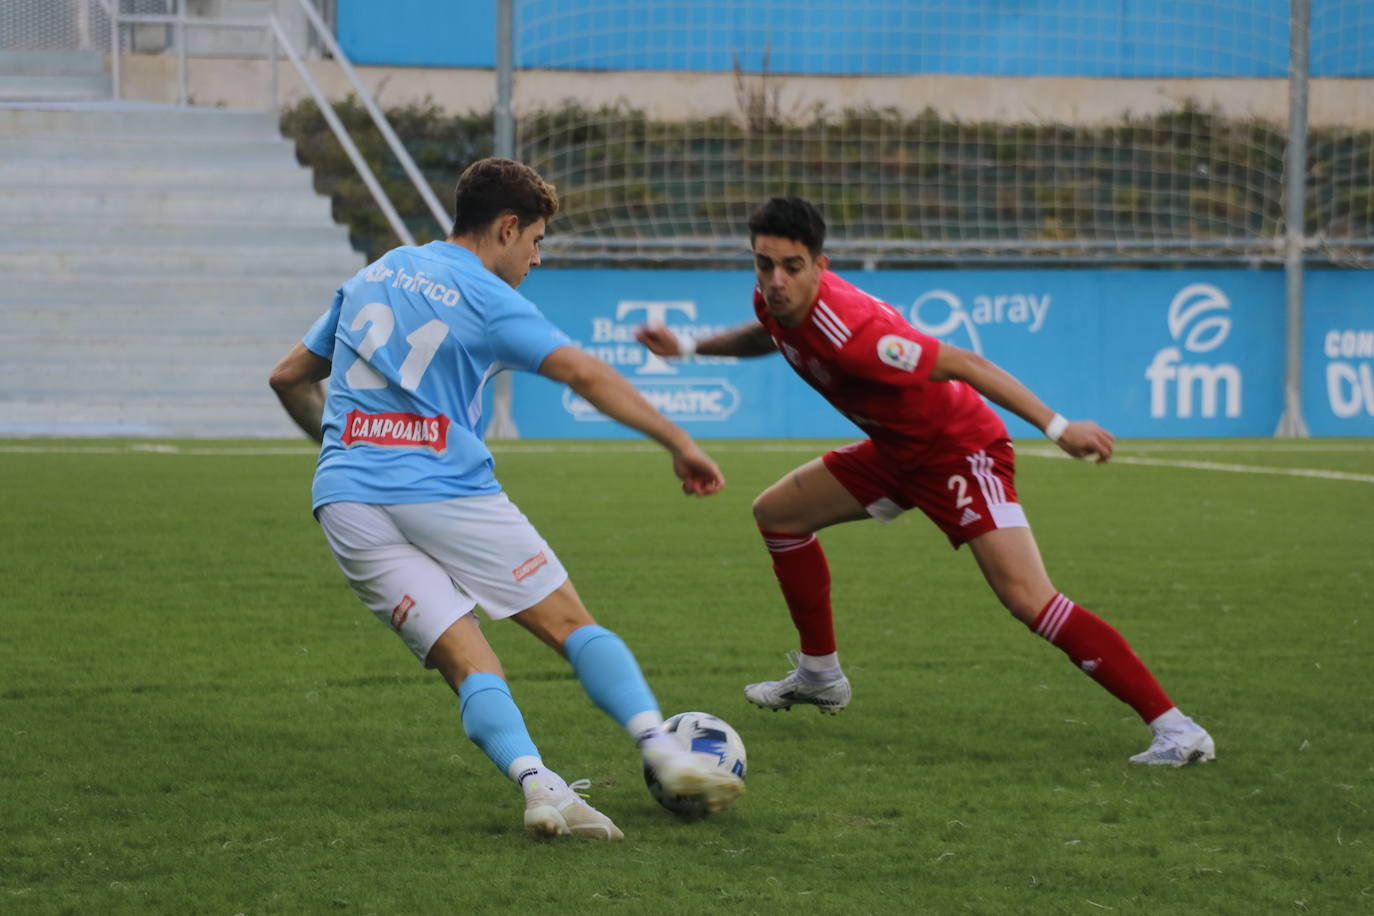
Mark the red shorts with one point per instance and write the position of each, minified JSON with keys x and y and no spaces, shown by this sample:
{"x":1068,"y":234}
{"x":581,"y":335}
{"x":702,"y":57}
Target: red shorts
{"x":964,"y":494}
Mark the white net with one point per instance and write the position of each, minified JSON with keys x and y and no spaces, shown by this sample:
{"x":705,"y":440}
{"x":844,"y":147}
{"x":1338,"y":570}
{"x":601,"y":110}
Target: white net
{"x":1340,"y":158}
{"x":935,"y":131}
{"x":53,"y":25}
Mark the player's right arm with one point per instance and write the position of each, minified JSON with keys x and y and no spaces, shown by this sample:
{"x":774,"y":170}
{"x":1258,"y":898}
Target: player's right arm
{"x":609,"y":392}
{"x":298,"y":381}
{"x":748,"y":339}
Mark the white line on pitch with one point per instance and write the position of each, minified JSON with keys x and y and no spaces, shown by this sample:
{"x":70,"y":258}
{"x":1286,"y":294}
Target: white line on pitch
{"x":1217,"y":466}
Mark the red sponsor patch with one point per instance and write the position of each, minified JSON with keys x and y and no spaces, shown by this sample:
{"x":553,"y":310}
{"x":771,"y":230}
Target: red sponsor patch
{"x":530,"y":566}
{"x":401,"y":611}
{"x":396,"y":430}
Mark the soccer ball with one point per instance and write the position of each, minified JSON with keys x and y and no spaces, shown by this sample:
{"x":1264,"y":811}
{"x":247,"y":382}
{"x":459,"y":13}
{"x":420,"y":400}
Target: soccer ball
{"x":714,"y":741}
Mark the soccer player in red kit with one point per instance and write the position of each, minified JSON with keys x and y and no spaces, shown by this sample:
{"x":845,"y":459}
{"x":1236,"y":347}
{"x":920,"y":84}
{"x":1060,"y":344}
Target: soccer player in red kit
{"x":934,"y":444}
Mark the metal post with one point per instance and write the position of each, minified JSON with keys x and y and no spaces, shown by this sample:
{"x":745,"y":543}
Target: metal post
{"x":183,"y":95}
{"x":505,"y":62}
{"x":272,"y":66}
{"x":503,"y":386}
{"x":1291,"y":424}
{"x":113,"y":10}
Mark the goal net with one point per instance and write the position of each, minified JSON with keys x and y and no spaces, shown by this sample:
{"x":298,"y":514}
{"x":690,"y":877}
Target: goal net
{"x":938,"y":131}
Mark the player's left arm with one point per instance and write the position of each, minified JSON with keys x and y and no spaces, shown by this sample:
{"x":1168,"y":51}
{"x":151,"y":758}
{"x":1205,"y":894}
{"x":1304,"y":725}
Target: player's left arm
{"x":298,"y":381}
{"x":1080,"y":438}
{"x":612,"y":394}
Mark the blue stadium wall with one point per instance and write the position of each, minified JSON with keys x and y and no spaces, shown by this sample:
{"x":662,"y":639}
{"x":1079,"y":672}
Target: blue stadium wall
{"x":1195,"y":353}
{"x":1101,"y":38}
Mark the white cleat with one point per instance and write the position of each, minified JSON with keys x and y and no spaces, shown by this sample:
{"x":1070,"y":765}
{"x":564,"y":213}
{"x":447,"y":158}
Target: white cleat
{"x":829,"y":697}
{"x":686,"y":774}
{"x":551,"y":814}
{"x":1179,"y":747}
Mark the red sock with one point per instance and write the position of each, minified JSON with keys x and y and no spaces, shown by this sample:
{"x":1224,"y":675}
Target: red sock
{"x":1103,"y":654}
{"x":799,"y":563}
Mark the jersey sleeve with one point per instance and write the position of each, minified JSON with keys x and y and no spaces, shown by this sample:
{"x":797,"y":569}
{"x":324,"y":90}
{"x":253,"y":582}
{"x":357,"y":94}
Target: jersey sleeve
{"x":892,"y":352}
{"x":320,"y":338}
{"x":520,"y":336}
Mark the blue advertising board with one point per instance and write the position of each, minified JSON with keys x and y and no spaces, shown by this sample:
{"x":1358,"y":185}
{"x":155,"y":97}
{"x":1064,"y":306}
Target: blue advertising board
{"x":1195,"y":353}
{"x":1338,"y":353}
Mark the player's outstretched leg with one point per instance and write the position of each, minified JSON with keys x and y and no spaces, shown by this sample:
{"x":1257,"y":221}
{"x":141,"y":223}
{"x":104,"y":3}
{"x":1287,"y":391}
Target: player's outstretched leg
{"x":816,"y":678}
{"x":1105,"y":656}
{"x":611,"y":676}
{"x":494,"y":723}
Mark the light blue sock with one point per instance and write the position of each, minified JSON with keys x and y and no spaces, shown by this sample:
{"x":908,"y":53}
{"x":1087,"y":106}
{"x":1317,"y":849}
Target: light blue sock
{"x":493,"y":721}
{"x":609,"y":673}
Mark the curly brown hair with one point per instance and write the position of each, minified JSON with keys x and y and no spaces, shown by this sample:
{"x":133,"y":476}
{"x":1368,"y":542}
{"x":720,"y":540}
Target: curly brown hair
{"x":491,"y":187}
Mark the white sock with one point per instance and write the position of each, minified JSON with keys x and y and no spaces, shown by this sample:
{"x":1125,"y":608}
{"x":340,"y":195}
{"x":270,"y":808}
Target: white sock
{"x":650,"y":738}
{"x":530,"y":773}
{"x":820,"y":669}
{"x":642,"y":722}
{"x":1170,"y":721}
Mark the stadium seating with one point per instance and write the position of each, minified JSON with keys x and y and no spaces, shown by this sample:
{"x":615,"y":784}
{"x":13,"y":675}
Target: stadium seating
{"x":156,"y":262}
{"x":53,"y":75}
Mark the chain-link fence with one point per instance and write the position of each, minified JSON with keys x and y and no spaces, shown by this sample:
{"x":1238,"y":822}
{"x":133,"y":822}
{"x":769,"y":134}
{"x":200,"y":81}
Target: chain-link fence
{"x":54,"y":25}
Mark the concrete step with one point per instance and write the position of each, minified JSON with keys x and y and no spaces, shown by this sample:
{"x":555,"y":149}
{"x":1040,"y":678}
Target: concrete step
{"x":183,"y":354}
{"x":147,"y":121}
{"x":39,"y":230}
{"x":85,"y":176}
{"x":133,"y":321}
{"x":53,"y":88}
{"x":311,"y":293}
{"x":156,"y":414}
{"x":136,"y":370}
{"x":101,"y":379}
{"x":62,"y":151}
{"x":52,"y":63}
{"x":136,"y":205}
{"x":157,"y":264}
{"x":209,"y":262}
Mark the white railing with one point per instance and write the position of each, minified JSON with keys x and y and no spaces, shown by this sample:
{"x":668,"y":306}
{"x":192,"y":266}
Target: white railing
{"x":277,"y":43}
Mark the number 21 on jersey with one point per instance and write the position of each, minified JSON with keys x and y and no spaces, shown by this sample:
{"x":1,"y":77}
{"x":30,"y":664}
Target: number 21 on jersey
{"x":380,"y":322}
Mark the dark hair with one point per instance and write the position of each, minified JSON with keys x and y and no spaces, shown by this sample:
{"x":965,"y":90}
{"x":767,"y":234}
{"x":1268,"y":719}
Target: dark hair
{"x":790,"y":218}
{"x":491,"y":187}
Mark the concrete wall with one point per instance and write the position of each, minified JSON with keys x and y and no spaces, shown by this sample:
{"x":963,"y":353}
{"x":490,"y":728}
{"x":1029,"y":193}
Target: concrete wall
{"x":247,"y":83}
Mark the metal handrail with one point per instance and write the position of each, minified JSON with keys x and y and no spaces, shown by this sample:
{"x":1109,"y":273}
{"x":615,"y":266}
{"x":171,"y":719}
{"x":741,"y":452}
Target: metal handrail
{"x":341,"y":133}
{"x":273,"y":30}
{"x":441,"y":216}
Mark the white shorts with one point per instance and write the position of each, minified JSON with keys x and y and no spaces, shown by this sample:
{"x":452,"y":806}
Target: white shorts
{"x":421,"y":566}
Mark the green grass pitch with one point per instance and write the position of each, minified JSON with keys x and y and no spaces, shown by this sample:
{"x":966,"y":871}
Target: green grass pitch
{"x":197,"y":716}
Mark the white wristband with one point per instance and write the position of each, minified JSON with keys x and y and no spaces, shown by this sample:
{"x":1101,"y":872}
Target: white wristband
{"x":686,"y":346}
{"x":1055,"y":428}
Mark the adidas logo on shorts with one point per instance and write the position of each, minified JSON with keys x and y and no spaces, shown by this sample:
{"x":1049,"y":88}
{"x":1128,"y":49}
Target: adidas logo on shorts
{"x":969,"y":518}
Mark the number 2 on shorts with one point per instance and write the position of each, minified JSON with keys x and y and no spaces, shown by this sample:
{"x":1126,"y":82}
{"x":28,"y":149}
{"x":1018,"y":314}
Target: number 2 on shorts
{"x":958,"y":482}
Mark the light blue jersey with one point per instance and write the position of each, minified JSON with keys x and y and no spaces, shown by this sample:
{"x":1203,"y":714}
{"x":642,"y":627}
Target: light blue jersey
{"x":413,"y":338}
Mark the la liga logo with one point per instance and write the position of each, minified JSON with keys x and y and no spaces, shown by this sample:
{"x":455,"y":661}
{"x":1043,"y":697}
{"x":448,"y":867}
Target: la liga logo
{"x":899,"y":352}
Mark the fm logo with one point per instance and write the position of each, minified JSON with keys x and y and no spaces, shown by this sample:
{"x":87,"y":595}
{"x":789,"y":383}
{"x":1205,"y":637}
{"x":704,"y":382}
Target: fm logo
{"x":1197,"y":319}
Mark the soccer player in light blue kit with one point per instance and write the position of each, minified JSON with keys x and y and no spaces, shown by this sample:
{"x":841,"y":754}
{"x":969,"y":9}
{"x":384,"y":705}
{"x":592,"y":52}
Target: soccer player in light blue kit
{"x":407,"y":498}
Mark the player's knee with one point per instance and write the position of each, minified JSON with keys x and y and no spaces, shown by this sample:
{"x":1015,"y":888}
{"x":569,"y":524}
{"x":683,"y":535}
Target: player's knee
{"x":765,"y":514}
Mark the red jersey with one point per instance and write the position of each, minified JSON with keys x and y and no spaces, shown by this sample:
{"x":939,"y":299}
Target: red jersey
{"x":874,"y":367}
